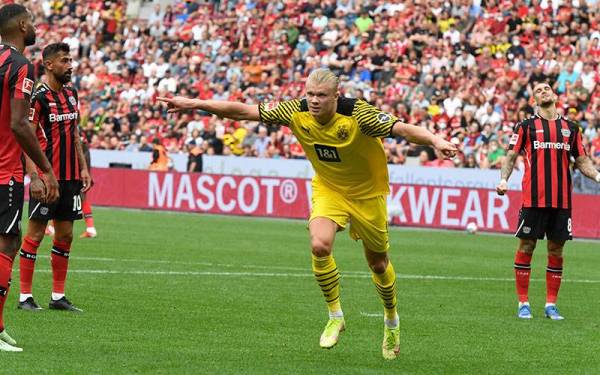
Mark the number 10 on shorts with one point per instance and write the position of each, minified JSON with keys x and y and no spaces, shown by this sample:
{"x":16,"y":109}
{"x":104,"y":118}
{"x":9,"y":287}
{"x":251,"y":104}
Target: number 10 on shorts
{"x":77,"y":203}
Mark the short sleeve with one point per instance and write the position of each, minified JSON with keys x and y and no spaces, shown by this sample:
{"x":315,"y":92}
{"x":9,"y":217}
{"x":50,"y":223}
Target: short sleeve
{"x":21,"y":81}
{"x":35,"y":111}
{"x":517,"y":140}
{"x":75,"y":97}
{"x":577,"y":148}
{"x":278,"y":113}
{"x":373,"y":122}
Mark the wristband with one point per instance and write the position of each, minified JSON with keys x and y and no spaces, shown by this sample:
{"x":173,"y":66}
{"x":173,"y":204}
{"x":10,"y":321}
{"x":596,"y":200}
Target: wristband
{"x":503,"y":181}
{"x":598,"y":178}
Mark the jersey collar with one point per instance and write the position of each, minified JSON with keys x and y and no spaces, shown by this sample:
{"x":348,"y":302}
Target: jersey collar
{"x":559,"y":117}
{"x":9,"y":46}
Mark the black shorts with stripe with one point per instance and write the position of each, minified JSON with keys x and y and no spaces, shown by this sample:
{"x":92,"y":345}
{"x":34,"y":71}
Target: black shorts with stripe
{"x":11,"y":207}
{"x":552,"y":223}
{"x":67,"y":208}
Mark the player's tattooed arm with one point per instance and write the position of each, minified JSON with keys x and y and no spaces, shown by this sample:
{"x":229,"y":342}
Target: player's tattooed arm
{"x":506,"y":170}
{"x":508,"y":164}
{"x":585,"y":165}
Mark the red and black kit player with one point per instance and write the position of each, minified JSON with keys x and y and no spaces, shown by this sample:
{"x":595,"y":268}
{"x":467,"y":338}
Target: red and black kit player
{"x":55,"y":117}
{"x":86,"y":202}
{"x":547,"y":141}
{"x":16,"y":85}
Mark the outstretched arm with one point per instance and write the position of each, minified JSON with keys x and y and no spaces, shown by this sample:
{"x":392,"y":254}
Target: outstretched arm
{"x":422,"y":136}
{"x":585,"y":165}
{"x":505,"y":171}
{"x":221,"y":108}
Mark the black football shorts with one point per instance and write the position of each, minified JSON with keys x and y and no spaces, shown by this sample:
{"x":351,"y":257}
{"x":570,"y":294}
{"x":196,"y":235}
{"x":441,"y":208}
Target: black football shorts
{"x":552,"y":223}
{"x":11,"y":207}
{"x":66,"y":208}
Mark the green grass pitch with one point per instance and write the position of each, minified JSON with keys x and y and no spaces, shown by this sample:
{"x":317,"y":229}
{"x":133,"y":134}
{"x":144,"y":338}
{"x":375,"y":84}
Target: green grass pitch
{"x":167,"y":293}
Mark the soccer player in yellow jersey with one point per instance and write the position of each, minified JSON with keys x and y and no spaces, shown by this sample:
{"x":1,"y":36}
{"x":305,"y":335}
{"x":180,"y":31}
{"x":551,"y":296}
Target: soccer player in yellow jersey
{"x":342,"y":140}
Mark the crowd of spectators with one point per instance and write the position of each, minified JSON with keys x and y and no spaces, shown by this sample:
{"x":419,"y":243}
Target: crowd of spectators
{"x":463,"y":69}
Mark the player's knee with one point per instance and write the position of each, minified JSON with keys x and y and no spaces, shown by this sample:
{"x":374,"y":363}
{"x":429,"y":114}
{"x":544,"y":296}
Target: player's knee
{"x":555,"y":249}
{"x":10,"y":252}
{"x":320,"y":247}
{"x":36,"y":229}
{"x":556,"y":252}
{"x":63,"y":237}
{"x":10,"y":245}
{"x":378,"y":266}
{"x":36,"y":236}
{"x":527,"y":246}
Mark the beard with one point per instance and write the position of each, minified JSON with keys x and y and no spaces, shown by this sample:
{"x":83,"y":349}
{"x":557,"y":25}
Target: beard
{"x":64,"y":78}
{"x":30,"y":37}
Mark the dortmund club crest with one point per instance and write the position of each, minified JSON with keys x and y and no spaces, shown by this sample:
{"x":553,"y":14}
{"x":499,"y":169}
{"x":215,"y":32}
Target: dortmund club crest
{"x":342,"y":133}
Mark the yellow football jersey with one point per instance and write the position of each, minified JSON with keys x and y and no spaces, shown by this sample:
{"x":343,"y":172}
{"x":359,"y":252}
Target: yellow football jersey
{"x":346,"y":153}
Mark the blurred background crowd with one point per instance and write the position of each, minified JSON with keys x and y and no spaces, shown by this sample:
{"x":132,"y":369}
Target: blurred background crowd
{"x":463,"y":69}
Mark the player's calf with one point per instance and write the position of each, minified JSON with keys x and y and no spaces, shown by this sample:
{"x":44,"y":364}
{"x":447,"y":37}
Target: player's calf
{"x":27,"y":258}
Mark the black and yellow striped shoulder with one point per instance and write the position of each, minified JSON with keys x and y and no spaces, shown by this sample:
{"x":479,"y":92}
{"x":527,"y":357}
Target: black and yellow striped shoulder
{"x":345,"y":106}
{"x":372,"y":121}
{"x":280,"y":113}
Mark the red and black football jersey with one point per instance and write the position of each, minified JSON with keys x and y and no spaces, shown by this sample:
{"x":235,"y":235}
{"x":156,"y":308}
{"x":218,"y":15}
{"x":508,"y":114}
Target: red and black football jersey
{"x":56,"y":117}
{"x":547,"y":146}
{"x":16,"y":82}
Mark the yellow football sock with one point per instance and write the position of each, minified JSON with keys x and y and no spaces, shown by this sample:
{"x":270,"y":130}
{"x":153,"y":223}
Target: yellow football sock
{"x":386,"y":287}
{"x":328,"y":277}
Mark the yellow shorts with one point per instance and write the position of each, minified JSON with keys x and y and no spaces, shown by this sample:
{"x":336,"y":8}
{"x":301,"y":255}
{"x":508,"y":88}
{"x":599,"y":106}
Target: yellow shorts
{"x":367,"y":217}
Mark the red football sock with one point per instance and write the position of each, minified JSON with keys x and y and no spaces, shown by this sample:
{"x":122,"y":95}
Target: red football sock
{"x":5,"y":271}
{"x":60,"y":263}
{"x":87,"y":213}
{"x":27,"y":258}
{"x":553,"y":278}
{"x":522,"y":273}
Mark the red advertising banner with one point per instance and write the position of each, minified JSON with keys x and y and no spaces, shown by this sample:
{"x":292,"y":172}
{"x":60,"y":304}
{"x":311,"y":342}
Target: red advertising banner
{"x":218,"y":194}
{"x":408,"y":205}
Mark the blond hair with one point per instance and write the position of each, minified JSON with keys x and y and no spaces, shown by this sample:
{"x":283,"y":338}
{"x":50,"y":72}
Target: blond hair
{"x":323,"y":76}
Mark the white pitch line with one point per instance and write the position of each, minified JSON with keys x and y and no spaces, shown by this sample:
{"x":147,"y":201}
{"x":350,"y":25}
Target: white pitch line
{"x":348,"y":274}
{"x":206,"y":264}
{"x":357,"y":275}
{"x":371,"y":315}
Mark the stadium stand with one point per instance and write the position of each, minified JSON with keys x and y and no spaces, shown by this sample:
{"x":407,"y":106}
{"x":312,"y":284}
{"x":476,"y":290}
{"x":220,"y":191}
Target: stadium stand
{"x":462,"y":69}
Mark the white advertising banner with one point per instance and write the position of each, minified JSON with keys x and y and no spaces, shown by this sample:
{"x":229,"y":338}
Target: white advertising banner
{"x":241,"y":166}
